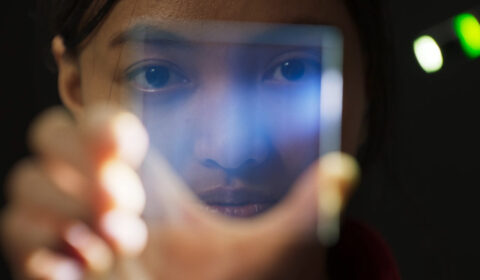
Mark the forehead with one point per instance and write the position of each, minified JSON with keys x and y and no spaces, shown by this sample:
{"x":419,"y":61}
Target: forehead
{"x":238,"y":10}
{"x":128,"y":13}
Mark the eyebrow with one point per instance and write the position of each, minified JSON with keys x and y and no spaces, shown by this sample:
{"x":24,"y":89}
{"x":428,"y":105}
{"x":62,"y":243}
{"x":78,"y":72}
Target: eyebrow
{"x":149,"y":34}
{"x":154,"y":35}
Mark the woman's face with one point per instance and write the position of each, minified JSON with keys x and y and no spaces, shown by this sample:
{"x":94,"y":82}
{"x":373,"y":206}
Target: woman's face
{"x":223,"y":114}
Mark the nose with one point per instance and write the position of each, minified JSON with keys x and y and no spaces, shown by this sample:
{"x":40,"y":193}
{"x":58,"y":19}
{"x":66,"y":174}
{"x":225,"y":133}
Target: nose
{"x":231,"y":137}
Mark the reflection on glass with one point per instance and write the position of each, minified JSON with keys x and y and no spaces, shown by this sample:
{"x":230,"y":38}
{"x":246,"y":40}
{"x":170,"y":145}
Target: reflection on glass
{"x":236,"y":108}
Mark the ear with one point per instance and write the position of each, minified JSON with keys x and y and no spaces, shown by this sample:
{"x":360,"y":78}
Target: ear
{"x":69,"y":79}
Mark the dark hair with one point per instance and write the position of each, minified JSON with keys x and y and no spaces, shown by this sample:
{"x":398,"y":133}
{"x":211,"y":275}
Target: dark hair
{"x":371,"y":18}
{"x":76,"y":20}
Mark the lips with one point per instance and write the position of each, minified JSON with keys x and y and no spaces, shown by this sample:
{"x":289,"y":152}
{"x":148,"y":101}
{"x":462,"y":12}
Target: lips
{"x":244,"y":211}
{"x":237,"y":201}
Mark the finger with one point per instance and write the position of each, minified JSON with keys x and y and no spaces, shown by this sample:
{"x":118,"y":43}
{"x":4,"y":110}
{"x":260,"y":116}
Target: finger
{"x":117,"y":143}
{"x":120,"y":188}
{"x":127,"y":233}
{"x":55,"y":135}
{"x":317,"y":199}
{"x":23,"y":230}
{"x":31,"y":186}
{"x":339,"y":173}
{"x":41,"y":230}
{"x":95,"y":253}
{"x":119,"y":202}
{"x":283,"y":231}
{"x":111,"y":133}
{"x":46,"y":264}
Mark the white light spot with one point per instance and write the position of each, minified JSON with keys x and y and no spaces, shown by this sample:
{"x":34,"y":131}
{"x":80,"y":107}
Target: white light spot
{"x":428,"y":53}
{"x":331,"y":103}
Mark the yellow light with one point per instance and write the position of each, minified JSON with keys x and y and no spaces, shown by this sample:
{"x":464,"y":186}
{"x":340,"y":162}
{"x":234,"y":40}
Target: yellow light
{"x":467,"y":28}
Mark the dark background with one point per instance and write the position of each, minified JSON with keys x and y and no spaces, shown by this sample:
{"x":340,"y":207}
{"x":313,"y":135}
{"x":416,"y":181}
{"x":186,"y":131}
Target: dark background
{"x":425,"y":204}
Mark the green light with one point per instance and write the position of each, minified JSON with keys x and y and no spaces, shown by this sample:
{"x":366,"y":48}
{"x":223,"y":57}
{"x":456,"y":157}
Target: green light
{"x":468,"y":31}
{"x":428,"y":54}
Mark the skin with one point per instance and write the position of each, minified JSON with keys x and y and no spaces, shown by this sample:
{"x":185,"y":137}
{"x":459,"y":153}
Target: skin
{"x":38,"y":220}
{"x":207,"y":150}
{"x":91,"y":80}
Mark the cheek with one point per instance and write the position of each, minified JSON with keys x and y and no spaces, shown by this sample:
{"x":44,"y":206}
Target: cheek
{"x":292,"y":126}
{"x":98,"y":77}
{"x":101,"y":91}
{"x":296,"y":153}
{"x":171,"y":129}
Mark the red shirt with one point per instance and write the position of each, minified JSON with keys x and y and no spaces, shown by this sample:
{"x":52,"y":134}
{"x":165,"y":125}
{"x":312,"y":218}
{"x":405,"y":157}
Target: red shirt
{"x":360,"y":254}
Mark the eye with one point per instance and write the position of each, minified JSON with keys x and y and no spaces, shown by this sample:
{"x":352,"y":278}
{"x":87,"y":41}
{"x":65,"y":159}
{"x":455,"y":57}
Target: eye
{"x":294,"y":70}
{"x":156,"y":77}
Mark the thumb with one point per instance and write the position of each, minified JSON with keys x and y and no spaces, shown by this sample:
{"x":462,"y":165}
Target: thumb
{"x":338,"y":175}
{"x":317,"y":199}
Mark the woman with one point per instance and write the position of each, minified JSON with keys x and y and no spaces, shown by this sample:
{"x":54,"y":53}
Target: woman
{"x":78,"y":223}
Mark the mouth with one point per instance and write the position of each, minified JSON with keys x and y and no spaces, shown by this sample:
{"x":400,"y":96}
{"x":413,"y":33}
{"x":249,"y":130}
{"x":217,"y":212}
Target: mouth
{"x":238,"y":202}
{"x":240,"y":211}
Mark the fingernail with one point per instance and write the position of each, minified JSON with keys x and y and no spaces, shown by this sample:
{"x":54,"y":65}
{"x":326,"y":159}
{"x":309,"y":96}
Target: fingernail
{"x":126,"y":231}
